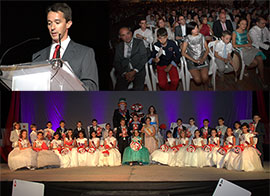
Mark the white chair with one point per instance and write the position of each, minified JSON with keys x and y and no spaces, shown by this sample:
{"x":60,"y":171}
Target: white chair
{"x":212,"y":68}
{"x":147,"y":78}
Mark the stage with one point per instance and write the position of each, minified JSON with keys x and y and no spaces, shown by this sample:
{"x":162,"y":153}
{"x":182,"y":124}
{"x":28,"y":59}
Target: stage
{"x":136,"y":180}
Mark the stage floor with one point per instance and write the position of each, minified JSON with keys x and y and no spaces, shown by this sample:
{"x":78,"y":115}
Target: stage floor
{"x":151,"y":173}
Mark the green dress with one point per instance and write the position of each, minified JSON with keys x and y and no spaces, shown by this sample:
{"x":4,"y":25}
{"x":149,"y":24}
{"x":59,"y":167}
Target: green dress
{"x":141,"y":156}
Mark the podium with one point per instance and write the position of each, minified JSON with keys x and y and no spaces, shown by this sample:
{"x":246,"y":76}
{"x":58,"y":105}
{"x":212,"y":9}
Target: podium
{"x":50,"y":75}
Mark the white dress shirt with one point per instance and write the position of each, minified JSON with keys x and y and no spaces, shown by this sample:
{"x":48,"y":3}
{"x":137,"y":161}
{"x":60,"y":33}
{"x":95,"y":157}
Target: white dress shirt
{"x":63,"y":48}
{"x":259,"y":36}
{"x":220,"y":46}
{"x":183,"y":28}
{"x":147,"y":33}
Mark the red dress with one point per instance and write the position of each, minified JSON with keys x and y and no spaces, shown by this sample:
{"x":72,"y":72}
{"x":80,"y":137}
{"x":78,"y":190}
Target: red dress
{"x":205,"y":30}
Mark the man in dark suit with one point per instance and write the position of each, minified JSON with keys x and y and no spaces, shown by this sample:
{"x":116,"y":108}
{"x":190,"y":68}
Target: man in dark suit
{"x":179,"y":128}
{"x":80,"y":58}
{"x":61,"y":130}
{"x":222,"y":25}
{"x":205,"y":131}
{"x":259,"y":133}
{"x":172,"y":18}
{"x":129,"y":61}
{"x":121,"y":112}
{"x":77,"y":129}
{"x":180,"y":30}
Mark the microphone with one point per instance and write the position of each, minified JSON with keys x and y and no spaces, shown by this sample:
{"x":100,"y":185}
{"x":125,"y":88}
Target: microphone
{"x":59,"y":40}
{"x":19,"y":44}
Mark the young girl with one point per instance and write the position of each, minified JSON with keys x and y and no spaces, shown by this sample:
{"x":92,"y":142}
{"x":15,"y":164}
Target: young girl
{"x":45,"y":157}
{"x":180,"y":155}
{"x":237,"y":131}
{"x":196,"y":158}
{"x":93,"y":152}
{"x":81,"y":145}
{"x":57,"y":146}
{"x":248,"y":159}
{"x":70,"y":144}
{"x":195,"y":50}
{"x":164,"y":155}
{"x":23,"y":155}
{"x":229,"y":144}
{"x":214,"y":142}
{"x":136,"y":152}
{"x":253,"y":57}
{"x":150,"y":141}
{"x":109,"y":155}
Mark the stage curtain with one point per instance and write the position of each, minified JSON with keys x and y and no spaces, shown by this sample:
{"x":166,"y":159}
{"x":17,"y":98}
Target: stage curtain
{"x":263,"y":114}
{"x":13,"y":115}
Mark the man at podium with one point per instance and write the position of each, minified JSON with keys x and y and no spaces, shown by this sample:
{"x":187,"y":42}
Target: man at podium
{"x":81,"y":58}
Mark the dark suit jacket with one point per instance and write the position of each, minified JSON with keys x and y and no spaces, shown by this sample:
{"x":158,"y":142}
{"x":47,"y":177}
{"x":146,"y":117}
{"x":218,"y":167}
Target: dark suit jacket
{"x":175,"y":131}
{"x":261,"y":131}
{"x":80,"y":58}
{"x":217,"y":28}
{"x":138,"y":57}
{"x":209,"y":132}
{"x":119,"y":130}
{"x":76,"y":132}
{"x":117,"y":117}
{"x":178,"y":32}
{"x":59,"y":131}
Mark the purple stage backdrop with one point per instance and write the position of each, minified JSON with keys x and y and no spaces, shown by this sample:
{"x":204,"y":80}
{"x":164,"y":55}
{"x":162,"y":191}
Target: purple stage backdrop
{"x":40,"y":107}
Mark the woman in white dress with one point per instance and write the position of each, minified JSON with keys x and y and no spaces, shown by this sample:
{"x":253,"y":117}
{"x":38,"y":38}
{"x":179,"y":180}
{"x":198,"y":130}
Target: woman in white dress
{"x":93,"y":152}
{"x":81,"y":149}
{"x":14,"y":135}
{"x":45,"y":157}
{"x":71,"y":155}
{"x":109,"y":155}
{"x":164,"y":155}
{"x":237,"y":131}
{"x":229,"y":144}
{"x":180,"y":155}
{"x":214,"y":142}
{"x":152,"y":114}
{"x":196,"y":158}
{"x":150,"y":141}
{"x":248,"y":159}
{"x":23,"y":155}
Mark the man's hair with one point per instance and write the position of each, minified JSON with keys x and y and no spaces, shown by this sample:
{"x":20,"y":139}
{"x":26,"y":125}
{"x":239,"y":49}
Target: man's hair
{"x":226,"y":32}
{"x":162,"y":32}
{"x":258,"y":19}
{"x":61,"y":7}
{"x":141,"y":19}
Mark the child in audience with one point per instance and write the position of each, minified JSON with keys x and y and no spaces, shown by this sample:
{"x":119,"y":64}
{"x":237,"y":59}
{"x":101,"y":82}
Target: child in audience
{"x":23,"y":155}
{"x":45,"y":157}
{"x":136,"y":152}
{"x":93,"y":152}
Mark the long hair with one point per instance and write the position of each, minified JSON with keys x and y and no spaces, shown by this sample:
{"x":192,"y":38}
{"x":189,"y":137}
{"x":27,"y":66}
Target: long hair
{"x":155,"y":111}
{"x":197,"y":130}
{"x":20,"y":136}
{"x":226,"y":134}
{"x":72,"y":136}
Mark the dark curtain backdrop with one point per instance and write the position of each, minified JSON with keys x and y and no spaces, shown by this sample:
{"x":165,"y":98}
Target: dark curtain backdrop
{"x":39,"y":107}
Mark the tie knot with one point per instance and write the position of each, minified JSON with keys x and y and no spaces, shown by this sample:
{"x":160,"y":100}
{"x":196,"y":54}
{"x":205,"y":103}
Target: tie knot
{"x":57,"y":47}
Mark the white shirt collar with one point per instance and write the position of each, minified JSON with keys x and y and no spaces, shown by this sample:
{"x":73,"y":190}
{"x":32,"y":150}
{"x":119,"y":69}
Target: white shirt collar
{"x":64,"y":45}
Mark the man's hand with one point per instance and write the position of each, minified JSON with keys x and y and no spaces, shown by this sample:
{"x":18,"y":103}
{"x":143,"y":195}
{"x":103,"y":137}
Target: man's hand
{"x":168,"y":68}
{"x":156,"y":60}
{"x":130,"y":76}
{"x":139,"y":36}
{"x":178,"y":37}
{"x":226,"y":60}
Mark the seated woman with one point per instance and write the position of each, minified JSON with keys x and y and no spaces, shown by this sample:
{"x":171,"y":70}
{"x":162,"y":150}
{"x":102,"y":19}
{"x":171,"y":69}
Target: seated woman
{"x":195,"y":50}
{"x":45,"y":157}
{"x":136,"y":152}
{"x":205,"y":29}
{"x":162,"y":24}
{"x":252,"y":57}
{"x":109,"y":155}
{"x":23,"y":155}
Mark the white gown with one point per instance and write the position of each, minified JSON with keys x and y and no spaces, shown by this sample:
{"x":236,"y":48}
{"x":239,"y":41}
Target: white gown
{"x":197,"y":158}
{"x":111,"y":159}
{"x":211,"y":157}
{"x":248,"y":159}
{"x":179,"y":158}
{"x":81,"y":156}
{"x":46,"y":157}
{"x":164,"y":157}
{"x":93,"y":158}
{"x":22,"y":158}
{"x":64,"y":159}
{"x":73,"y":155}
{"x":227,"y":159}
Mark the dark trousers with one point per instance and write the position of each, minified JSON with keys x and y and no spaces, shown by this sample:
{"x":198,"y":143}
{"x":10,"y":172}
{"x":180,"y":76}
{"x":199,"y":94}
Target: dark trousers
{"x":122,"y":145}
{"x":259,"y":146}
{"x":138,"y":83}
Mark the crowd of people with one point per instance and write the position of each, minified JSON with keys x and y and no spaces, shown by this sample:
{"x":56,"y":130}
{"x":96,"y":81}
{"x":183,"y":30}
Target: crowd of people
{"x":136,"y":138}
{"x":168,"y":31}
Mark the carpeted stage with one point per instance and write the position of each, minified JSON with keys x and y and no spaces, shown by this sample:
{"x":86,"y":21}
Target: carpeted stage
{"x":136,"y":180}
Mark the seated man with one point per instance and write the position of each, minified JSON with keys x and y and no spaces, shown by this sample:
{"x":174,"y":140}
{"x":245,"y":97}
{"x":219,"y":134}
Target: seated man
{"x":260,"y":37}
{"x":80,"y":58}
{"x":222,"y":25}
{"x":180,"y":30}
{"x":129,"y":61}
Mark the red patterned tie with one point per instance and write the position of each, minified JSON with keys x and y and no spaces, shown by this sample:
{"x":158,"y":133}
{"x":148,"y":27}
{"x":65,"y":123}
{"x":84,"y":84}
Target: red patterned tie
{"x":56,"y":54}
